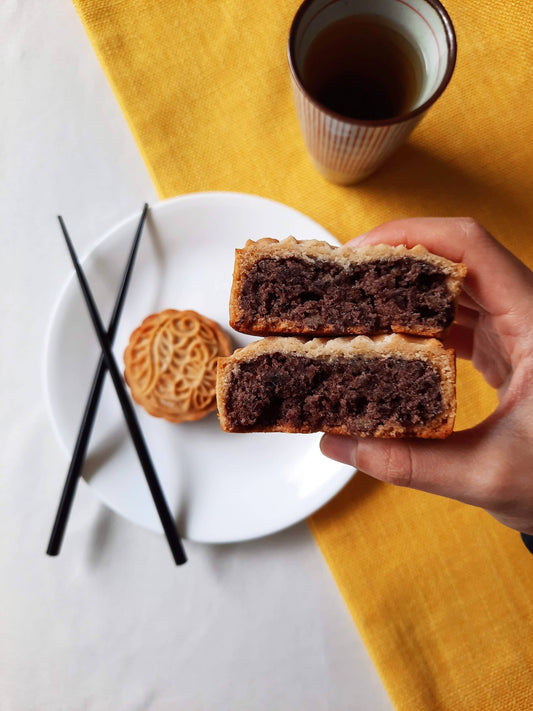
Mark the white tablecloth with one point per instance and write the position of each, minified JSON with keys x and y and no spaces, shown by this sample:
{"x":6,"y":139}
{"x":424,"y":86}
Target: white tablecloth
{"x":112,"y":624}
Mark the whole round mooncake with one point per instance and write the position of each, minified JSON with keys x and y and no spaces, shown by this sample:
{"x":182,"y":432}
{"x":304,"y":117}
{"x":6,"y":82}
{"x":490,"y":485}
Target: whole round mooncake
{"x":171,"y":364}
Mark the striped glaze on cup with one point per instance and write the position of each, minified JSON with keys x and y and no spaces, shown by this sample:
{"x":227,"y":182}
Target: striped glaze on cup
{"x":346,"y":150}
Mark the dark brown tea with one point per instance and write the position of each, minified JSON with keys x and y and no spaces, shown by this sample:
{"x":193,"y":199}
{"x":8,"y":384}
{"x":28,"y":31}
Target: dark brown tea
{"x":363,"y":68}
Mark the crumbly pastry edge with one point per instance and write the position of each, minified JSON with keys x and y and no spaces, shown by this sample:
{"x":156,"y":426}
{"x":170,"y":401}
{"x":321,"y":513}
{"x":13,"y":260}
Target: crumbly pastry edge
{"x":391,"y":345}
{"x":291,"y":246}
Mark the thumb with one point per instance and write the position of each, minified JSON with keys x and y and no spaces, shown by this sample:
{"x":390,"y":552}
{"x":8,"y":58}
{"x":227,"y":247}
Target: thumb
{"x":461,"y":467}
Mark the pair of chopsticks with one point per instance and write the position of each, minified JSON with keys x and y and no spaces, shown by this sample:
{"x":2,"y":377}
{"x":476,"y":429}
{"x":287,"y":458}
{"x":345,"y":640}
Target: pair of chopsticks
{"x":107,"y":362}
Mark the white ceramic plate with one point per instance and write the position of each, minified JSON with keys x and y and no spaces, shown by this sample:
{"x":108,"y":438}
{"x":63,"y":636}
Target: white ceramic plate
{"x":221,"y":487}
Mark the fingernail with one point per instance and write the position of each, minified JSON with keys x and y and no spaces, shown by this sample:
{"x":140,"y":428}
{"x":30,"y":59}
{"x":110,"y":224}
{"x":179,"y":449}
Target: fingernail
{"x":340,"y":448}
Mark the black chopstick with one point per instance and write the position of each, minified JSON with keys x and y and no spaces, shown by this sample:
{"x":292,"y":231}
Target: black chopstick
{"x":84,"y":433}
{"x":169,"y":525}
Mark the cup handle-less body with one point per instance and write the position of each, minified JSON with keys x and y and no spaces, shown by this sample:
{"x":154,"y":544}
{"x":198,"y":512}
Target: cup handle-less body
{"x":346,"y":150}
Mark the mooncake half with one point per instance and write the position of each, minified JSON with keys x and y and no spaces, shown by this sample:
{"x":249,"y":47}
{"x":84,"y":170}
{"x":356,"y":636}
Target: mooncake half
{"x":311,"y":288}
{"x":387,"y":386}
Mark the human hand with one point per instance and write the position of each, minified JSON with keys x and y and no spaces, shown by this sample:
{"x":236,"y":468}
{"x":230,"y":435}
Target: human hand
{"x":489,"y":465}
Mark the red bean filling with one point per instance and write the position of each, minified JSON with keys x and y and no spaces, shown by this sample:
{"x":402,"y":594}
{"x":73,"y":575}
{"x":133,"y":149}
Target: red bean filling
{"x":316,"y":293}
{"x":316,"y":394}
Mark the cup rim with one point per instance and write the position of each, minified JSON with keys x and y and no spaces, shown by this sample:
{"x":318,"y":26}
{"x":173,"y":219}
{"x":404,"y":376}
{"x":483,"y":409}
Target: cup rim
{"x":451,"y":41}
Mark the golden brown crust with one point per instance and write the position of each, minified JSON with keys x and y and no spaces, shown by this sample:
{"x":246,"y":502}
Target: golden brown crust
{"x":170,"y":364}
{"x":392,"y":345}
{"x":312,"y":249}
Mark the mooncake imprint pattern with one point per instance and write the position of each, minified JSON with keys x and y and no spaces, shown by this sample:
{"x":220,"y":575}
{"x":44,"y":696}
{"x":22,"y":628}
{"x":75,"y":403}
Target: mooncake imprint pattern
{"x":171,"y":364}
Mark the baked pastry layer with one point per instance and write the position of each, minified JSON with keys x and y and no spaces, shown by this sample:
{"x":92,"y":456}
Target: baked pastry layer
{"x":387,"y":386}
{"x":311,"y":288}
{"x":170,"y":364}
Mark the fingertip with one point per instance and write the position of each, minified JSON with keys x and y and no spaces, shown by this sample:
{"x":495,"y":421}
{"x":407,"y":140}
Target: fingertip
{"x":339,"y":448}
{"x":357,"y":241}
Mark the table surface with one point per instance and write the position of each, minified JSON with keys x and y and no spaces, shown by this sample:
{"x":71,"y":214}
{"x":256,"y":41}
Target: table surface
{"x":111,"y":623}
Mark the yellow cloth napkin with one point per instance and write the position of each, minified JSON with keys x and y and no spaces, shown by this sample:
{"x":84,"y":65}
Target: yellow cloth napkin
{"x":441,"y":593}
